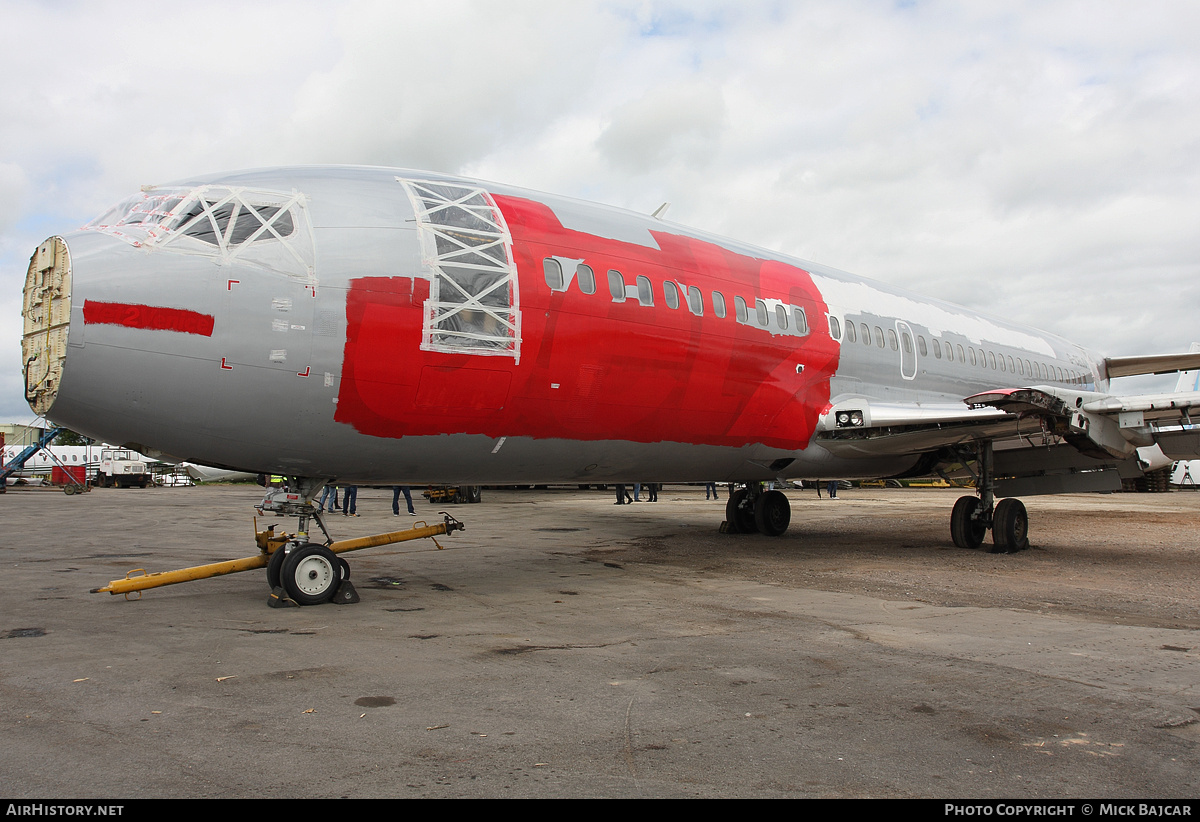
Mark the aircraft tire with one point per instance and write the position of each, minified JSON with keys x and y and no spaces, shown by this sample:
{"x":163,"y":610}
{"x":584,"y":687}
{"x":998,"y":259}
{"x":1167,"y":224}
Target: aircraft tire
{"x":1010,"y":527}
{"x":739,"y":513}
{"x":772,"y":513}
{"x":311,"y":574}
{"x":345,"y":569}
{"x":964,"y":530}
{"x":275,"y":567}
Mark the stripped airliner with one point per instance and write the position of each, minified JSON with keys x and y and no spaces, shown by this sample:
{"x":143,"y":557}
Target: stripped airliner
{"x":385,"y":326}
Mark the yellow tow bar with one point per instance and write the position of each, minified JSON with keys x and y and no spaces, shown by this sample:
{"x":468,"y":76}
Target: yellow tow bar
{"x":138,"y":580}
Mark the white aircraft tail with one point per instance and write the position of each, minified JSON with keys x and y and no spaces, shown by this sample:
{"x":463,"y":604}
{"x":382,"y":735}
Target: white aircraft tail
{"x":1189,"y":380}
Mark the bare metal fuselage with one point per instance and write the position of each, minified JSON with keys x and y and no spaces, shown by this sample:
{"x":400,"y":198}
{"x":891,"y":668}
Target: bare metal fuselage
{"x":386,"y":326}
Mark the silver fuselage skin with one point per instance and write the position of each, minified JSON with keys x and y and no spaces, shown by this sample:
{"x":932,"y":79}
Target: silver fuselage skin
{"x":577,"y":387}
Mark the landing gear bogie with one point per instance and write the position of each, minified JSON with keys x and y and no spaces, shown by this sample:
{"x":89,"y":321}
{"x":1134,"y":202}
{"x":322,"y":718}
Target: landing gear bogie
{"x":751,"y":510}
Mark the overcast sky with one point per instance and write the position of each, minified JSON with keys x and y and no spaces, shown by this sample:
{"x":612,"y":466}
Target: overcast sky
{"x":1038,"y":160}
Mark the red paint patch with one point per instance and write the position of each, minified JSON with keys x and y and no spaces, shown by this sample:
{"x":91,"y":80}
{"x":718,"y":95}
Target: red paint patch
{"x":593,"y":369}
{"x":149,"y":317}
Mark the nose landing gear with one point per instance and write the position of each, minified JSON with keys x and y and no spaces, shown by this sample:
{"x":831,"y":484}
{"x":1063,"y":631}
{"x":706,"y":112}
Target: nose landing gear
{"x":299,"y":572}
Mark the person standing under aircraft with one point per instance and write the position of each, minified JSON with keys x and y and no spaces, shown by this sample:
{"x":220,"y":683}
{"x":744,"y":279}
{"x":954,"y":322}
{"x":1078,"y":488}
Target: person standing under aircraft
{"x":397,"y":490}
{"x":350,"y":500}
{"x":330,"y":490}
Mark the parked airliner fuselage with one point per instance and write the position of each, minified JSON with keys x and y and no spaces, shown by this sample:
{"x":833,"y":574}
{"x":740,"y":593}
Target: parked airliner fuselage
{"x":384,"y":326}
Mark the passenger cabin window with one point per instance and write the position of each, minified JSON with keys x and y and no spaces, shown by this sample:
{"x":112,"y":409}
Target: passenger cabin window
{"x":739,"y":309}
{"x":553,"y":272}
{"x":645,"y":291}
{"x":906,"y":341}
{"x":835,"y":328}
{"x":892,"y":340}
{"x":719,"y":304}
{"x":781,"y":317}
{"x":616,"y":286}
{"x":972,"y":353}
{"x":879,"y":336}
{"x":695,"y":301}
{"x":586,"y":278}
{"x":949,"y":352}
{"x":937,"y":348}
{"x":671,"y":294}
{"x":760,"y":309}
{"x":921,"y":346}
{"x":800,"y":320}
{"x":866,"y":333}
{"x":962,"y":357}
{"x":850,"y":334}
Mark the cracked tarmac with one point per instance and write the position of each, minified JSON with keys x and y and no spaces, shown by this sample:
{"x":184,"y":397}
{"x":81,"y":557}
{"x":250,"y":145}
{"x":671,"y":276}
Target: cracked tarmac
{"x":563,"y":647}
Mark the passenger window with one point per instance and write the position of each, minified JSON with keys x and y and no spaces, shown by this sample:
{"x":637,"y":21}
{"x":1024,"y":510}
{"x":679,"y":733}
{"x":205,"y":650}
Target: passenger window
{"x":1010,"y":365}
{"x":892,"y":340}
{"x":616,"y":286}
{"x":992,"y":359}
{"x":879,"y":336}
{"x":906,"y":340}
{"x":671,"y":294}
{"x":781,"y":317}
{"x":586,"y":279}
{"x":800,"y":320}
{"x":719,"y":304}
{"x":961,"y":355}
{"x":866,"y":333}
{"x":835,"y":328}
{"x":950,"y":352}
{"x":553,"y":272}
{"x":1001,"y":358}
{"x":740,"y":310}
{"x":972,"y":352}
{"x":921,"y":346}
{"x":850,"y":335}
{"x":937,"y":348}
{"x":760,"y":309}
{"x":645,"y":291}
{"x":695,"y":301}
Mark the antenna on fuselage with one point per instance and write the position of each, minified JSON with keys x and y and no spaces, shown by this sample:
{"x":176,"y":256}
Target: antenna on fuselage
{"x":661,"y":211}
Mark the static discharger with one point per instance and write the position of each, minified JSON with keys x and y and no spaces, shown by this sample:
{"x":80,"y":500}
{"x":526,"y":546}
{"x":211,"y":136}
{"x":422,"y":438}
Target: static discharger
{"x":269,"y":542}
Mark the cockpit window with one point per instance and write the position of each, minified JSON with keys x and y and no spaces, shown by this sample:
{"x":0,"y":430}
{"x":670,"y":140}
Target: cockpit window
{"x":235,"y":222}
{"x":267,"y":228}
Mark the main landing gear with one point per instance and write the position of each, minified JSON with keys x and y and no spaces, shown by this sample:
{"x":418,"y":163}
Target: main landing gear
{"x":972,"y":517}
{"x":752,"y":510}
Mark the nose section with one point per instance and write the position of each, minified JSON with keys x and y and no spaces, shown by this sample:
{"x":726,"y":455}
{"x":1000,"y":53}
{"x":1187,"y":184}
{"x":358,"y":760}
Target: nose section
{"x":46,"y":310}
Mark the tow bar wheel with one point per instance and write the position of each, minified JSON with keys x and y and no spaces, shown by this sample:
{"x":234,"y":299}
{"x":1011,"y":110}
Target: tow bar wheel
{"x":311,"y":574}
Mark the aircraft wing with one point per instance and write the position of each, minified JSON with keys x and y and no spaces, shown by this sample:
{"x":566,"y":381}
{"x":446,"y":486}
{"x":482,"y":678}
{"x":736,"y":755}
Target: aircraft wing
{"x":1103,"y":427}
